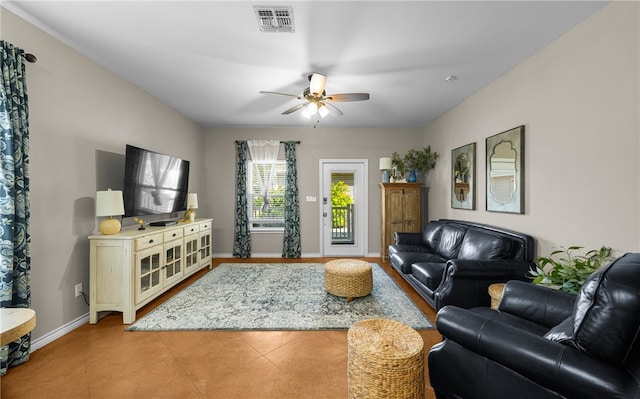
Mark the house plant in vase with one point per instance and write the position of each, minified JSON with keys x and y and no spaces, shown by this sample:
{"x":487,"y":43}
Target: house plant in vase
{"x":567,"y":272}
{"x":398,"y":168}
{"x":419,"y":161}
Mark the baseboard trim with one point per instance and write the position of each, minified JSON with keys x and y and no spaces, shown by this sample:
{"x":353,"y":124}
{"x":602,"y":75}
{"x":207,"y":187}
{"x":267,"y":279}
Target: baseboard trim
{"x":59,"y":332}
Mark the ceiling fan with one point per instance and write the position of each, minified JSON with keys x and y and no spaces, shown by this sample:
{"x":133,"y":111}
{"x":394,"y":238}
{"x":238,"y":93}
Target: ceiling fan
{"x":317,"y":102}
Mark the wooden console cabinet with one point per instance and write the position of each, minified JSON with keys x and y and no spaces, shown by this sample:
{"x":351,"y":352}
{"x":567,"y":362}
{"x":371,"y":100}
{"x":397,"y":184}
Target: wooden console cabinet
{"x":400,"y":211}
{"x":131,"y":268}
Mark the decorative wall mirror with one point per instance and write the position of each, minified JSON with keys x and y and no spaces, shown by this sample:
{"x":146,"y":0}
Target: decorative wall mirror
{"x":463,"y":177}
{"x":505,"y":171}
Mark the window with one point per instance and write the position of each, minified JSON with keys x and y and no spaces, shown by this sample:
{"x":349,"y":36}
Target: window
{"x":265,"y":195}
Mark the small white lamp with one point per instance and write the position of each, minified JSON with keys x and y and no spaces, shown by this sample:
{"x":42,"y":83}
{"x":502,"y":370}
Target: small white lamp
{"x":192,"y":203}
{"x":109,"y":203}
{"x":385,"y":167}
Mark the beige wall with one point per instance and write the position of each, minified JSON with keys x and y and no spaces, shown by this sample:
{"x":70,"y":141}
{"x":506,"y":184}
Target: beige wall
{"x":81,"y":117}
{"x":579,"y":101}
{"x":315,"y":144}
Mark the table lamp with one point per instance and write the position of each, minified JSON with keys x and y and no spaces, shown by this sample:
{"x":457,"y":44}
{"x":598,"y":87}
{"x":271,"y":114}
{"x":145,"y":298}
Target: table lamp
{"x":109,"y":203}
{"x":385,"y":167}
{"x":192,"y":203}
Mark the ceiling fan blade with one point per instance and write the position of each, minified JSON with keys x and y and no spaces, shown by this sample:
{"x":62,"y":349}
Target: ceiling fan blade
{"x":334,"y":109}
{"x":346,"y":97}
{"x":280,"y":94}
{"x":317,"y":83}
{"x":294,"y":109}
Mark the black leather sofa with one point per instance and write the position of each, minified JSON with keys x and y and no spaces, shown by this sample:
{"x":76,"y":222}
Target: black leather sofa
{"x":453,"y":262}
{"x":543,"y":343}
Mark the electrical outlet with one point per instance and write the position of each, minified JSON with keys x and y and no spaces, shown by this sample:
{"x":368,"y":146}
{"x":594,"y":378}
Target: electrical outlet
{"x":78,"y":290}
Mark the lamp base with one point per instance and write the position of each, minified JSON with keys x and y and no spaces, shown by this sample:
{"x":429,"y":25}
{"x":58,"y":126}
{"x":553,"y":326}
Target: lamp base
{"x":385,"y":176}
{"x":189,"y":215}
{"x":109,"y":226}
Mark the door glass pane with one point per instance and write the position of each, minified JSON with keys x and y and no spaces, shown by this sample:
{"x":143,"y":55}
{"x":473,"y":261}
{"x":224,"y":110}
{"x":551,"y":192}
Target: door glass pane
{"x":342,"y":200}
{"x":155,"y":278}
{"x":144,"y":283}
{"x":145,"y":265}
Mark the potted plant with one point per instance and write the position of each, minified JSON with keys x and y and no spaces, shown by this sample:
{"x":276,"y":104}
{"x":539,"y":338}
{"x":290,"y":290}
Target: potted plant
{"x":397,"y":164}
{"x":567,"y":272}
{"x":420,"y":161}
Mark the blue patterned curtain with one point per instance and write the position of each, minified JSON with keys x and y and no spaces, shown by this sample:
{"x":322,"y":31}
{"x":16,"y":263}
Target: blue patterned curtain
{"x":242,"y":240}
{"x":15,"y":235}
{"x":291,"y":238}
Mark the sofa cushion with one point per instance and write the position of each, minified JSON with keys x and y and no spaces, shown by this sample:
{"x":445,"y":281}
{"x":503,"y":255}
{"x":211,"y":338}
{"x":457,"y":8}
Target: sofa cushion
{"x":480,"y":245}
{"x":609,"y":297}
{"x":428,"y":273}
{"x":395,"y":248}
{"x":431,"y":235}
{"x":450,"y":241}
{"x":402,"y":260}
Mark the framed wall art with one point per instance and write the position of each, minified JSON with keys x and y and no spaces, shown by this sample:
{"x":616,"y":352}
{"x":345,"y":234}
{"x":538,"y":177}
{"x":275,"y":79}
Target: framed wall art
{"x":505,"y":171}
{"x":463,"y":177}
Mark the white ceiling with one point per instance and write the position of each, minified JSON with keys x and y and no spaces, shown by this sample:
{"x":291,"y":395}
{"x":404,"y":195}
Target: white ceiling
{"x":208,"y":59}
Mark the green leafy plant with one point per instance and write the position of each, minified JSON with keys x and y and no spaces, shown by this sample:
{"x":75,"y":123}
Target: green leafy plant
{"x":420,"y":161}
{"x":398,"y":163}
{"x":340,"y":198}
{"x":567,"y":272}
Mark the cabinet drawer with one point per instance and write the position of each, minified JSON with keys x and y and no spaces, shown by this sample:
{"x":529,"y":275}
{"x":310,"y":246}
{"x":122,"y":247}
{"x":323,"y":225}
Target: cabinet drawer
{"x":192,"y":228}
{"x":148,"y":241}
{"x":205,"y":226}
{"x":172,"y":235}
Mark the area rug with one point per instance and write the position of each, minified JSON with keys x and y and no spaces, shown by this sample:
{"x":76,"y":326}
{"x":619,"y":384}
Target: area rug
{"x":276,"y":296}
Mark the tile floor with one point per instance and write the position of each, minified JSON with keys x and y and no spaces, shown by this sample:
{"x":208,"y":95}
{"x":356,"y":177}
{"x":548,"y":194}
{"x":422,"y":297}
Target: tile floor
{"x":105,"y":361}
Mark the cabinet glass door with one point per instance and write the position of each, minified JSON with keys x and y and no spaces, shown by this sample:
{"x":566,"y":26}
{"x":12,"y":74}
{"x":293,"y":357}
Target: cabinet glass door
{"x":191,"y":253}
{"x":172,"y":262}
{"x":148,"y":272}
{"x":205,"y":248}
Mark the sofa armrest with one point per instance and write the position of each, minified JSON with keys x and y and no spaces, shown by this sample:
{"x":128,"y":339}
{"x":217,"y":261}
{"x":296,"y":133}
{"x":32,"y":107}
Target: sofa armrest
{"x":466,"y":282}
{"x":489,"y":269}
{"x":541,"y":305}
{"x":405,"y":238}
{"x":558,"y":367}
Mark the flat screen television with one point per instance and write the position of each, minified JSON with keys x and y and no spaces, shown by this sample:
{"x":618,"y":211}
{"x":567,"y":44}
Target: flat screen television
{"x":154,"y":183}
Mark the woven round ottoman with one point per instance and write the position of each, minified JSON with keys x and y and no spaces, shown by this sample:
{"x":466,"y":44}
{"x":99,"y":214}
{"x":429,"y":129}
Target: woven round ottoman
{"x":349,"y":278}
{"x":385,"y":360}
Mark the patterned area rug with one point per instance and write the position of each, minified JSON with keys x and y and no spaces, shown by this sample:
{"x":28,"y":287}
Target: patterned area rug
{"x":276,"y":296}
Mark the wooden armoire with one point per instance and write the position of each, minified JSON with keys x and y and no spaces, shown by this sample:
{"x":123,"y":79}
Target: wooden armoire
{"x":400,"y":211}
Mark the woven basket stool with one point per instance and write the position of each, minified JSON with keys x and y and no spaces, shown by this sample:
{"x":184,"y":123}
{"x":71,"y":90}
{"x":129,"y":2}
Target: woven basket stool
{"x":349,"y":278}
{"x":385,"y":360}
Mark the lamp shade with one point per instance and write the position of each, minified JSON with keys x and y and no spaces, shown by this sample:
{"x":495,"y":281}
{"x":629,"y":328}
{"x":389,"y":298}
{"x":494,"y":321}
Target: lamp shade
{"x":385,"y":163}
{"x":109,"y":203}
{"x":192,"y":201}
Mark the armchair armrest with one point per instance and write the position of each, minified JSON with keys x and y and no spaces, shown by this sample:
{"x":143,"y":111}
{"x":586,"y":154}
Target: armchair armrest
{"x":541,"y":305}
{"x":412,"y":238}
{"x":558,"y":367}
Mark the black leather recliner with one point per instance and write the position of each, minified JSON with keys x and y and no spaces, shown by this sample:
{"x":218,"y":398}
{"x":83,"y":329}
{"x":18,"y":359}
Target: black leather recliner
{"x":543,"y":343}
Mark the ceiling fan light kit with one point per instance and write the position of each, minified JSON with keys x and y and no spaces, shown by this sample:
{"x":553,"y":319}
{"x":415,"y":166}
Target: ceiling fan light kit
{"x":318,"y":102}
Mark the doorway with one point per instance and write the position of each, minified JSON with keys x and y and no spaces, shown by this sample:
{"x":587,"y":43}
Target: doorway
{"x":343,"y":207}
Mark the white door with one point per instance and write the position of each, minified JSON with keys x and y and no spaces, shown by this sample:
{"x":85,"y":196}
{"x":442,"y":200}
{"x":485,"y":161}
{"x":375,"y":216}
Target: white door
{"x":343,"y":212}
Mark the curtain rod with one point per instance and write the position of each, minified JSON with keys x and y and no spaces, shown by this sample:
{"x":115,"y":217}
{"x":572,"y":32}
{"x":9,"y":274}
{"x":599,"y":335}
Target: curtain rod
{"x":30,"y":58}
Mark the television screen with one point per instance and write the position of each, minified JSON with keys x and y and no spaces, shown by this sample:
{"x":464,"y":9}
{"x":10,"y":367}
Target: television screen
{"x":154,"y":183}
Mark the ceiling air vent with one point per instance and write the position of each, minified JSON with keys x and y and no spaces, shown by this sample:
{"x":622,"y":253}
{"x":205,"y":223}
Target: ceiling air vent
{"x":275,"y":19}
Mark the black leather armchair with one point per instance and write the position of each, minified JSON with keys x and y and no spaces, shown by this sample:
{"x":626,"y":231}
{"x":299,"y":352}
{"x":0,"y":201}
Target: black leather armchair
{"x":543,"y":343}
